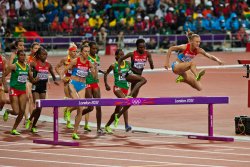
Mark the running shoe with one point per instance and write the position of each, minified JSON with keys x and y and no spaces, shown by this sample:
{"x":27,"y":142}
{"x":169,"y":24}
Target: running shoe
{"x":6,"y":115}
{"x":75,"y":136}
{"x":116,"y":121}
{"x":14,"y":132}
{"x":68,"y":115}
{"x":100,"y":132}
{"x":179,"y":79}
{"x":129,"y":97}
{"x":200,"y":74}
{"x":65,"y":113}
{"x":27,"y":125}
{"x":87,"y":128}
{"x":108,"y":130}
{"x":128,"y":128}
{"x":34,"y":130}
{"x":69,"y":126}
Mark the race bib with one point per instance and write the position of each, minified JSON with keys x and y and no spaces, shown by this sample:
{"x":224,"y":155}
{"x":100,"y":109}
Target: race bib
{"x":43,"y":76}
{"x":139,"y":65}
{"x":22,"y":78}
{"x":81,"y":73}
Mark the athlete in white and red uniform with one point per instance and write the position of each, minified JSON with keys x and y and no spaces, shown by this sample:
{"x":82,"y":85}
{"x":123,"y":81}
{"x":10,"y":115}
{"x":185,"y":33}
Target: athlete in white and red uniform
{"x":184,"y":62}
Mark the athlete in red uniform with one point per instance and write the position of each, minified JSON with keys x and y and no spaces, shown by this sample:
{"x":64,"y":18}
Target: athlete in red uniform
{"x":184,"y":64}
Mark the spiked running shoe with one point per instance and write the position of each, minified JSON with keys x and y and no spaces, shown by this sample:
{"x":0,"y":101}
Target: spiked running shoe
{"x":75,"y":136}
{"x":65,"y":113}
{"x":87,"y":128}
{"x":116,"y":121}
{"x":68,"y":115}
{"x":69,"y":126}
{"x":108,"y":130}
{"x":27,"y":124}
{"x":179,"y":79}
{"x":100,"y":132}
{"x":128,"y":128}
{"x":6,"y":115}
{"x":14,"y":132}
{"x":200,"y":74}
{"x":34,"y":130}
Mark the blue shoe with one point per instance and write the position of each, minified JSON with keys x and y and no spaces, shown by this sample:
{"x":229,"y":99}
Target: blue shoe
{"x":128,"y":128}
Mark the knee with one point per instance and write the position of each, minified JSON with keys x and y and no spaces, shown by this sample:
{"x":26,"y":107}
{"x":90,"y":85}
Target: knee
{"x":90,"y":108}
{"x":144,"y":81}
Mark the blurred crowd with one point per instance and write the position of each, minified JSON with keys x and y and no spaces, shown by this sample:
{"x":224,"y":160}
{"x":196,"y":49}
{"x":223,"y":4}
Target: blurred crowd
{"x":110,"y":17}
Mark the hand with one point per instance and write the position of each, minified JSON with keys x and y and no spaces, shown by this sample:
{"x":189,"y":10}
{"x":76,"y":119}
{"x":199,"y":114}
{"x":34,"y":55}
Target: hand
{"x":107,"y":87}
{"x":167,"y":66}
{"x":5,"y":88}
{"x":56,"y":83}
{"x":119,"y":72}
{"x":152,"y":67}
{"x":220,"y":62}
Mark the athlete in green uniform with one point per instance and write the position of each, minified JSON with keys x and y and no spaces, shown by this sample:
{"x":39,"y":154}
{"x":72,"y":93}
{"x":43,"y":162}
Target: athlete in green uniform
{"x":20,"y":72}
{"x":120,"y":89}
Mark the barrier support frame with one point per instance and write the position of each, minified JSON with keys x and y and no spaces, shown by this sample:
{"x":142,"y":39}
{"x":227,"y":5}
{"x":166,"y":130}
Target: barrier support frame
{"x":132,"y":101}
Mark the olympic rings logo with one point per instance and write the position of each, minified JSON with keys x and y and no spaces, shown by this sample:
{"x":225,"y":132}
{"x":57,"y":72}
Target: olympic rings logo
{"x":136,"y":101}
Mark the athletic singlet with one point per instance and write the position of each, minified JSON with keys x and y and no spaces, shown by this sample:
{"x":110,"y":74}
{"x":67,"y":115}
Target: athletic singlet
{"x":120,"y":80}
{"x":41,"y":71}
{"x":66,"y":63}
{"x":1,"y":66}
{"x":139,"y":60}
{"x":90,"y":79}
{"x":81,"y":69}
{"x":19,"y":77}
{"x":187,"y":55}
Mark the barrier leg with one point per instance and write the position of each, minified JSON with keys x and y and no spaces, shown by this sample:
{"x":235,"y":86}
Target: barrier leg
{"x":55,"y":140}
{"x":210,"y":129}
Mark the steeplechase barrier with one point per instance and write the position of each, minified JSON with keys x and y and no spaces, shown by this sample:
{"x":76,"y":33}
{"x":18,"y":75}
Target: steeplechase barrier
{"x":246,"y":64}
{"x":210,"y":101}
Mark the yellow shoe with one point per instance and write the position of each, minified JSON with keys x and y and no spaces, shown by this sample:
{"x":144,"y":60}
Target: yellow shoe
{"x":87,"y":128}
{"x":75,"y":136}
{"x":200,"y":74}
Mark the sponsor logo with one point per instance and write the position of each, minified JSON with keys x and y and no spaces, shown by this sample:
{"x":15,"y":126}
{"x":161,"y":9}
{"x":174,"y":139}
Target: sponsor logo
{"x":136,"y":101}
{"x":190,"y":100}
{"x":84,"y":103}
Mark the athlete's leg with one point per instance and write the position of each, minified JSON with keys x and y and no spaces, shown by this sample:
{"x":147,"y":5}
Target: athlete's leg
{"x":180,"y":68}
{"x":88,"y":94}
{"x":97,"y":94}
{"x":138,"y":82}
{"x":22,"y":100}
{"x":191,"y":80}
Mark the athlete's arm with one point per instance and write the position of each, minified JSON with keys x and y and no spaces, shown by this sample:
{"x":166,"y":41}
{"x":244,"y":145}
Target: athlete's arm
{"x":57,"y":68}
{"x":130,"y":54}
{"x":212,"y":57}
{"x":10,"y":68}
{"x":94,"y":70}
{"x":111,"y":67}
{"x":150,"y":60}
{"x":173,"y":48}
{"x":3,"y":76}
{"x":12,"y":57}
{"x":71,"y":64}
{"x":52,"y":74}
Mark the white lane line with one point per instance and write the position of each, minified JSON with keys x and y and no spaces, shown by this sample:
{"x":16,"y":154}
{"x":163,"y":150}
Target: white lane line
{"x":57,"y":162}
{"x":127,"y":152}
{"x":177,"y":164}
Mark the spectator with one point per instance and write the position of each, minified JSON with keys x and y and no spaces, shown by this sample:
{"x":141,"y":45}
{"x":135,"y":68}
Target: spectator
{"x":242,"y":36}
{"x":102,"y":38}
{"x":67,"y":26}
{"x":165,"y":43}
{"x":151,"y":44}
{"x":120,"y":40}
{"x":56,"y":26}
